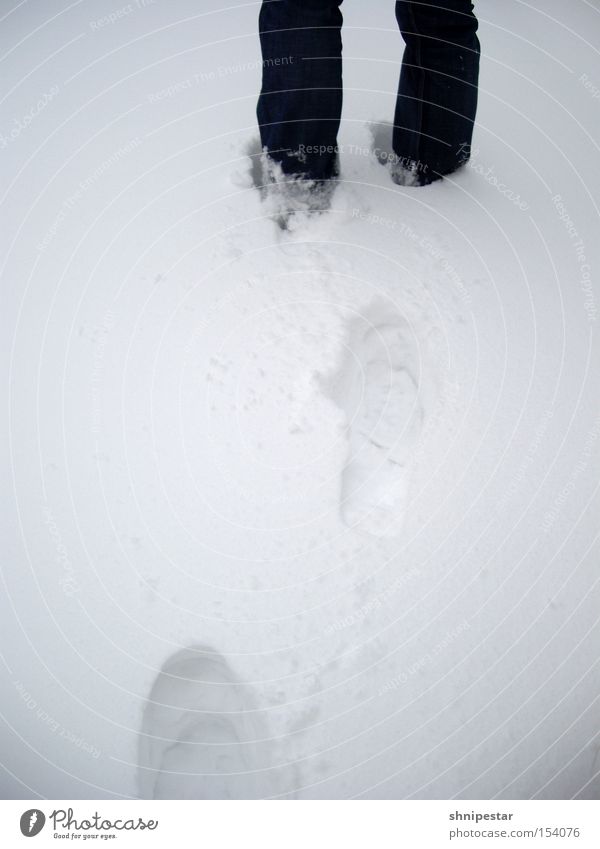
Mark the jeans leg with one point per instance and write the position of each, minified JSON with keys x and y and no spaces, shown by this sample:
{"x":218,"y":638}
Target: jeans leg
{"x":437,"y":95}
{"x":300,"y":103}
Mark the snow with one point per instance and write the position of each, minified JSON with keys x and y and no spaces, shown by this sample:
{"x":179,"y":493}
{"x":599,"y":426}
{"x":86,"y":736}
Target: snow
{"x":357,"y":458}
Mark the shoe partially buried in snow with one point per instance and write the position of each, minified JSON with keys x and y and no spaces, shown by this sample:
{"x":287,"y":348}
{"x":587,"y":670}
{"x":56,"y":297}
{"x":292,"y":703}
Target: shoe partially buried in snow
{"x":404,"y":175}
{"x":292,"y":195}
{"x":407,"y":172}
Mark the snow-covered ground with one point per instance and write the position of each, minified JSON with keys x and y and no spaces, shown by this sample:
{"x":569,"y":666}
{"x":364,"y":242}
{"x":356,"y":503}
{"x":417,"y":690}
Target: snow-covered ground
{"x":347,"y":474}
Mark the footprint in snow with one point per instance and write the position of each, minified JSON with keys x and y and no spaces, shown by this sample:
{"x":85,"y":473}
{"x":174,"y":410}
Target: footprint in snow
{"x":377,"y":387}
{"x":199,"y":732}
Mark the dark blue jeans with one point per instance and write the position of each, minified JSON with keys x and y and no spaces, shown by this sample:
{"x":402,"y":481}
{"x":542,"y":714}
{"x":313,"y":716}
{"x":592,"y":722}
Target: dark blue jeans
{"x":300,"y":102}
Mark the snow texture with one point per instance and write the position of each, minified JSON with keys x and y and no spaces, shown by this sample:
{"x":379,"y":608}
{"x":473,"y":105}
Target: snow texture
{"x":306,"y":511}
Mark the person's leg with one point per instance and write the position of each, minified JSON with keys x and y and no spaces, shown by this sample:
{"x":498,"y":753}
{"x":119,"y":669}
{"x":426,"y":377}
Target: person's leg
{"x":301,"y":97}
{"x":437,"y":96}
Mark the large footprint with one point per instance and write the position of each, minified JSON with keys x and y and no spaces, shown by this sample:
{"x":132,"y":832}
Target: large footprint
{"x":377,"y":388}
{"x":198,"y":733}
